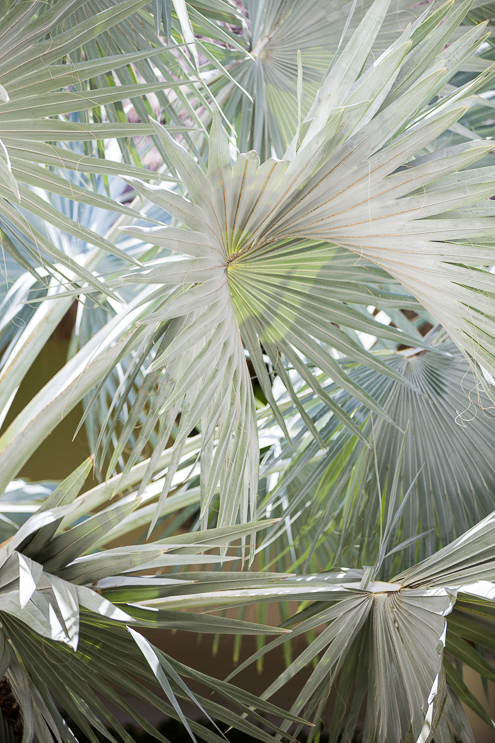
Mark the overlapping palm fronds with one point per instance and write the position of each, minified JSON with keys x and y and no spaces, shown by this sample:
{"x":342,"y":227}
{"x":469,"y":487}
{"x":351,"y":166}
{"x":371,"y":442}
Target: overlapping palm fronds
{"x":42,"y":88}
{"x":68,"y":613}
{"x":281,"y":284}
{"x":445,"y":454}
{"x":281,"y":52}
{"x":279,"y":57}
{"x":383,"y":644}
{"x":274,"y":253}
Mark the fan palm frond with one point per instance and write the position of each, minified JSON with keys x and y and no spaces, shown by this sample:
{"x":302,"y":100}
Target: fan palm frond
{"x":444,"y":457}
{"x":380,"y":646}
{"x":43,"y":90}
{"x":76,"y":608}
{"x":282,"y":51}
{"x":262,"y":243}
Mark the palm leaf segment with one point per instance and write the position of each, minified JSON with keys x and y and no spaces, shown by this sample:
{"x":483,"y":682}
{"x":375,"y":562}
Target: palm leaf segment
{"x":265,"y":244}
{"x":380,"y":646}
{"x":263,"y":60}
{"x":41,"y":88}
{"x":444,"y":460}
{"x":138,"y":34}
{"x":449,"y":437}
{"x":67,"y":612}
{"x":280,"y":58}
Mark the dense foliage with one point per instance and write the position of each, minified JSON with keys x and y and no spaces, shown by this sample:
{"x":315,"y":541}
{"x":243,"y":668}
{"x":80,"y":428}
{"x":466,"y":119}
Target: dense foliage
{"x":270,"y":227}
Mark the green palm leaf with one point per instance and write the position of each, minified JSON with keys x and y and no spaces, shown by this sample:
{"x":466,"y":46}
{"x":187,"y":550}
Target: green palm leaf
{"x":64,"y":642}
{"x":35,"y":73}
{"x":449,"y":431}
{"x":261,"y":242}
{"x":444,"y":459}
{"x":263,"y":59}
{"x":138,"y":34}
{"x":381,"y":645}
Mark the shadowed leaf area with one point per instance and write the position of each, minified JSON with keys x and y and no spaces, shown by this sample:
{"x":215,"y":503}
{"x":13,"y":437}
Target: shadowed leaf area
{"x":175,"y":733}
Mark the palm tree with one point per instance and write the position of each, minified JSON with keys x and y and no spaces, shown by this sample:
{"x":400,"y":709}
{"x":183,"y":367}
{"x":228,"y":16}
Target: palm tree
{"x":284,"y":334}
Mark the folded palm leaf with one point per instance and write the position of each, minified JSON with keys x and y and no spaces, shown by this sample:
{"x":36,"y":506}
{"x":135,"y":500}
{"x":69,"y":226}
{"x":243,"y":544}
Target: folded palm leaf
{"x":67,"y":613}
{"x":379,"y":647}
